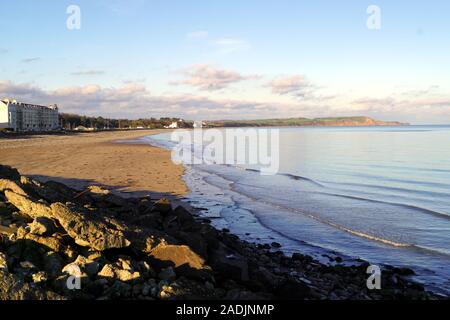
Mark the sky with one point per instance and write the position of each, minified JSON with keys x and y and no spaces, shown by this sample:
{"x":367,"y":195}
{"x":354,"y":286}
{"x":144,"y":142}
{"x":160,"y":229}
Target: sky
{"x":230,"y":59}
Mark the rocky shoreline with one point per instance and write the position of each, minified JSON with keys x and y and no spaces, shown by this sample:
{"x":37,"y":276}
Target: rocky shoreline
{"x":109,"y":247}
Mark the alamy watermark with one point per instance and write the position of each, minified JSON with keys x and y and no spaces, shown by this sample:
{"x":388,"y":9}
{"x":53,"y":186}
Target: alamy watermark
{"x":73,"y":281}
{"x":374,"y":280}
{"x":374,"y":19}
{"x":73,"y":21}
{"x":257,"y":148}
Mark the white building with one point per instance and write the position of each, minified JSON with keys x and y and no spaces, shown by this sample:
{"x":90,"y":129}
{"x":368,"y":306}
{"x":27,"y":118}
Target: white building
{"x":21,"y":117}
{"x":174,"y":125}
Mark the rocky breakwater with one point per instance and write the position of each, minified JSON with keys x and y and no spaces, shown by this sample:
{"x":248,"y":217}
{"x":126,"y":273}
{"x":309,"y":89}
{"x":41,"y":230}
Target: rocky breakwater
{"x":60,"y":243}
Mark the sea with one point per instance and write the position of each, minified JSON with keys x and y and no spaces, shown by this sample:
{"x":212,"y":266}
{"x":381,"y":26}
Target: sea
{"x":381,"y":194}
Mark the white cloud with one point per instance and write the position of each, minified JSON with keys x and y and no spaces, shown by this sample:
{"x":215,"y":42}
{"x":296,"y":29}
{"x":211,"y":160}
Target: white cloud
{"x":292,"y":85}
{"x":134,"y":100}
{"x":210,"y":78}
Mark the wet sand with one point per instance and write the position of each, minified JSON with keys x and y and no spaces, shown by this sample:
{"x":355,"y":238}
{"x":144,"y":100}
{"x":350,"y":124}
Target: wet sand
{"x":83,"y":159}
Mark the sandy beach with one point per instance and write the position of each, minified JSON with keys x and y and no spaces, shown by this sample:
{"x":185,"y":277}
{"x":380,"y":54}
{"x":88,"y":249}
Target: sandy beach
{"x":85,"y":159}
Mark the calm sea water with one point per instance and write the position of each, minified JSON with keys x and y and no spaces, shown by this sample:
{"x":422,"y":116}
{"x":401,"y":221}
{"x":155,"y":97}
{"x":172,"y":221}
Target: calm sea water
{"x":379,"y":193}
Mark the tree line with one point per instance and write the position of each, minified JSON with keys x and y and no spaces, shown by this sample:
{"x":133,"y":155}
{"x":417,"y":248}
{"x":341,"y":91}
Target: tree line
{"x":73,"y":121}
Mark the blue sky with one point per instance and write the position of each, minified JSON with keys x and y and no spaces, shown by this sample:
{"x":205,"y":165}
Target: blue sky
{"x":230,"y":59}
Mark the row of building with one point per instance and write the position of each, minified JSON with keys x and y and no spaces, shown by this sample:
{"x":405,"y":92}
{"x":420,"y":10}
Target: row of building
{"x":20,"y":117}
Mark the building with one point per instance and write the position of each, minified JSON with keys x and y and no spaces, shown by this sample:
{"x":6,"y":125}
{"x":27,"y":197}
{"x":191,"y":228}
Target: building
{"x":21,"y":117}
{"x":199,"y":124}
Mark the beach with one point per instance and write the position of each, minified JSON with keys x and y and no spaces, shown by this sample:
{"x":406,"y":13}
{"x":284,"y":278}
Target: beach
{"x":83,"y":159}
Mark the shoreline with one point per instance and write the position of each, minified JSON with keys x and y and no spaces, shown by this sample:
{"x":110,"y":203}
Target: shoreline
{"x":138,"y":248}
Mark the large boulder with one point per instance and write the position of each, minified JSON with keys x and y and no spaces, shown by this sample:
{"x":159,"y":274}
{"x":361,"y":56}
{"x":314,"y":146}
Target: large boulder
{"x":10,"y":185}
{"x":184,"y":261}
{"x":177,"y":256}
{"x":88,"y":230}
{"x":27,"y":206}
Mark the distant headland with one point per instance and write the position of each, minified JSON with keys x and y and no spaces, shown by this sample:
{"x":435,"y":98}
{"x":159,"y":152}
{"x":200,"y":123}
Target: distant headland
{"x":303,"y":122}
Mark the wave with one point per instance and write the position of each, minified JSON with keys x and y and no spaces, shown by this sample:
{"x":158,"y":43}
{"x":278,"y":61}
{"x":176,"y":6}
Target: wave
{"x":289,"y":175}
{"x":387,"y":188}
{"x":407,"y":206}
{"x":445,"y":186}
{"x":311,"y":216}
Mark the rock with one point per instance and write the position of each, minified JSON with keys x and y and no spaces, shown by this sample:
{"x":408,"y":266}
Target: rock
{"x":119,"y":290}
{"x":107,"y":271}
{"x":13,"y":288}
{"x":3,"y":262}
{"x":293,"y":290}
{"x":85,"y":265}
{"x":88,"y":231}
{"x":195,"y":241}
{"x":85,"y":229}
{"x":150,"y":220}
{"x":98,"y":190}
{"x":183,"y":217}
{"x":269,"y":279}
{"x":28,"y":265}
{"x":404,"y":271}
{"x":163,"y":205}
{"x":301,"y":258}
{"x":167,"y":274}
{"x":28,"y":206}
{"x":7,"y":172}
{"x":74,"y":270}
{"x":7,"y":231}
{"x":53,"y":263}
{"x":51,"y":243}
{"x":39,"y":277}
{"x":276,"y":245}
{"x":177,"y":256}
{"x":233,"y":266}
{"x":122,"y":270}
{"x":145,"y":206}
{"x":42,"y":226}
{"x":5,"y":210}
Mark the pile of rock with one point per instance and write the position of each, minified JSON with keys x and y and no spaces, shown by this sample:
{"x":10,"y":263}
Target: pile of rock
{"x":59,"y":243}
